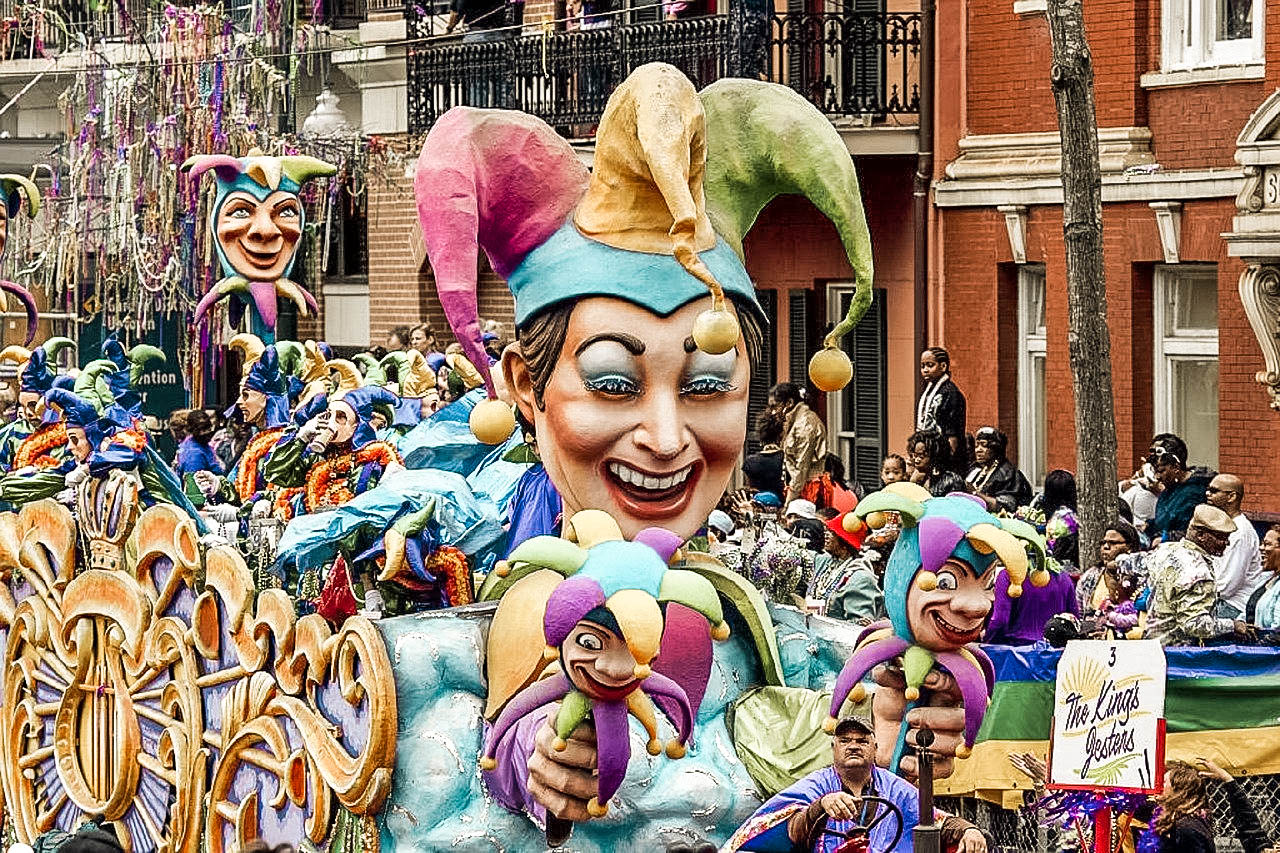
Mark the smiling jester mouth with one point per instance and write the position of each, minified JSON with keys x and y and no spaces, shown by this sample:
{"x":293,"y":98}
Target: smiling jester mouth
{"x":953,"y":631}
{"x":643,"y":482}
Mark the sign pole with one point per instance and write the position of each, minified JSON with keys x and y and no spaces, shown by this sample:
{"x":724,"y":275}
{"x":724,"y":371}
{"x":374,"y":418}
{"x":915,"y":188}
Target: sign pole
{"x":927,"y":835}
{"x":1102,"y":831}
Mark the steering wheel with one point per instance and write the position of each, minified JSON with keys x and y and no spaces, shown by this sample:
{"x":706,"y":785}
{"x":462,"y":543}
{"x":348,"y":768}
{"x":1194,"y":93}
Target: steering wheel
{"x":885,"y":809}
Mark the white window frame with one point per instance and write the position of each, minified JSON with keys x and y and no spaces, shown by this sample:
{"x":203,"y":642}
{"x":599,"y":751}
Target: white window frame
{"x":1032,"y":345}
{"x":1189,"y":30}
{"x":1170,"y":348}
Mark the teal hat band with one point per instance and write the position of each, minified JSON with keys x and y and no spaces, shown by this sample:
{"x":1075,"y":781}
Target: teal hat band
{"x":569,"y":266}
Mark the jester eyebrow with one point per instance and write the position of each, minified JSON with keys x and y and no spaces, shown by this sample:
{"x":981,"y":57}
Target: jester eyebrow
{"x":630,"y":343}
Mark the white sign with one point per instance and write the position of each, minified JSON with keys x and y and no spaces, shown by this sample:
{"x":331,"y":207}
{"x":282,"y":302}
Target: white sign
{"x":1108,"y":716}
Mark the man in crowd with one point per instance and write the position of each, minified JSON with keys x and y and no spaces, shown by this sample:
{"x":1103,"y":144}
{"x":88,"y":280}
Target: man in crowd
{"x":819,"y":810}
{"x":1180,"y":575}
{"x":1239,"y":571}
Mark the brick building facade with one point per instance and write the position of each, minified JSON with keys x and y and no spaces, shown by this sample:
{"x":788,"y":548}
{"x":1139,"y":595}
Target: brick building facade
{"x":1173,"y":94}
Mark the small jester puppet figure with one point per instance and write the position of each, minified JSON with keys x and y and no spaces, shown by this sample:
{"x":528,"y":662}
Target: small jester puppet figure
{"x":37,"y":374}
{"x":605,"y":624}
{"x":13,"y":189}
{"x":938,"y":589}
{"x":257,"y":222}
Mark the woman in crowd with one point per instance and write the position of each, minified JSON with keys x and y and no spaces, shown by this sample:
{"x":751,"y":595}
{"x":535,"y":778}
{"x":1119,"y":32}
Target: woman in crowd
{"x":929,"y":455}
{"x":804,"y":441}
{"x":1182,"y":818}
{"x":941,"y":406}
{"x":423,"y":338}
{"x":1120,"y":537}
{"x":993,"y":476}
{"x":763,"y":469}
{"x":1263,"y":609}
{"x":1181,"y":488}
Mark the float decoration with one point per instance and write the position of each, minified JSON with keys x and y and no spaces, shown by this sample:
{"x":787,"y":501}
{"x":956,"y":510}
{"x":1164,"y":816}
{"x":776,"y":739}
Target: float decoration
{"x":614,"y":594}
{"x":144,"y":681}
{"x":935,"y":533}
{"x":14,"y":189}
{"x":257,"y":220}
{"x":748,"y":123}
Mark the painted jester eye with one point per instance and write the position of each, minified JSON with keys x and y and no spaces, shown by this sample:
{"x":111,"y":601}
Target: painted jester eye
{"x":590,"y":642}
{"x":288,"y":212}
{"x":946,"y":580}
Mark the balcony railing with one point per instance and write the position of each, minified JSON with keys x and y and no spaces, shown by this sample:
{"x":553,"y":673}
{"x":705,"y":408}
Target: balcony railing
{"x":846,"y":63}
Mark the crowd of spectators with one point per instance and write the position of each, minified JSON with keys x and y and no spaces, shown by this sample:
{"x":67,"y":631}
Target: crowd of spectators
{"x":1181,"y":563}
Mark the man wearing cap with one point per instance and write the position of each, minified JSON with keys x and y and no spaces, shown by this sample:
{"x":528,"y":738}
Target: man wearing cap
{"x":818,"y":812}
{"x":1181,"y":577}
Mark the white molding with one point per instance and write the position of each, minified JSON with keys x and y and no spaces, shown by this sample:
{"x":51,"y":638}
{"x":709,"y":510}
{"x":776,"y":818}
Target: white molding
{"x":1001,"y":155}
{"x":1155,"y":186}
{"x":1260,"y":294}
{"x":1030,"y":7}
{"x":1169,"y":225}
{"x":1202,"y":76}
{"x":1015,"y":223}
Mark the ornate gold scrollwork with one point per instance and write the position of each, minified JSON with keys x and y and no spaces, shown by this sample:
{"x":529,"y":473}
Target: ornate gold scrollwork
{"x":150,"y":684}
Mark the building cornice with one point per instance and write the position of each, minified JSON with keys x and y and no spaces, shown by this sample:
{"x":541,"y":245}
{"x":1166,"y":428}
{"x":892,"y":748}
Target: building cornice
{"x":1146,"y":187}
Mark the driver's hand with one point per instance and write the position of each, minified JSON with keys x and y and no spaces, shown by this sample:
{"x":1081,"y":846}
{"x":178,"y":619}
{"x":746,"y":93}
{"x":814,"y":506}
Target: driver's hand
{"x":563,"y":782}
{"x":941,"y":708}
{"x":841,"y":806}
{"x":973,"y":841}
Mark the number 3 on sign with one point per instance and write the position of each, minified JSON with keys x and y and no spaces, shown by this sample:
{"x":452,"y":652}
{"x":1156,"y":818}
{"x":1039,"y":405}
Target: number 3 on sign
{"x":1111,"y":661}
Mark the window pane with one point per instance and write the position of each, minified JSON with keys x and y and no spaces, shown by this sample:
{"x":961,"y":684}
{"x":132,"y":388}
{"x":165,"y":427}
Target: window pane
{"x":1195,"y":407}
{"x":1235,"y":19}
{"x":1191,"y":303}
{"x":1033,"y":298}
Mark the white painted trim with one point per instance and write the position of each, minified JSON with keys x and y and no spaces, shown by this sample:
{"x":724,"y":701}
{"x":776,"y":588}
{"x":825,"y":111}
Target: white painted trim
{"x":1169,"y":225}
{"x":1030,"y":7}
{"x":1157,"y":186}
{"x":1032,"y":344}
{"x":1169,"y":348}
{"x":1202,"y":76}
{"x":1015,"y":223}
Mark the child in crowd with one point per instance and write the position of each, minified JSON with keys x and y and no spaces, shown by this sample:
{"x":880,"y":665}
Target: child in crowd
{"x":1117,"y":615}
{"x":893,"y":469}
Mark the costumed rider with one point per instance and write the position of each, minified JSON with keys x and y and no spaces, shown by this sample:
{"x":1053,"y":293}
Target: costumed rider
{"x":263,"y":405}
{"x":331,"y":458}
{"x":37,"y":374}
{"x":636,"y":322}
{"x":44,"y":459}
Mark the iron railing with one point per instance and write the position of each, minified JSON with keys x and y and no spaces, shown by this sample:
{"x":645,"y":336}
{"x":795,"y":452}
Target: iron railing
{"x":847,"y":63}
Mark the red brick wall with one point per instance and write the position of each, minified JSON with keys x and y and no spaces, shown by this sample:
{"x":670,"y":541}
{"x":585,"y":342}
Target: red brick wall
{"x":400,"y":291}
{"x":975,"y":306}
{"x":1195,"y":127}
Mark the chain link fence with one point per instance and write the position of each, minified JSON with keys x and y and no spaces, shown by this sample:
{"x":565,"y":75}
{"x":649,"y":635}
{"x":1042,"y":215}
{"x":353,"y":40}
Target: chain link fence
{"x":1019,"y":830}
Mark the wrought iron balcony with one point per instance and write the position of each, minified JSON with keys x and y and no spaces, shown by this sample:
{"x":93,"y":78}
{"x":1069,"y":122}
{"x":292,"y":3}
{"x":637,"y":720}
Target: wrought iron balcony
{"x":860,"y":64}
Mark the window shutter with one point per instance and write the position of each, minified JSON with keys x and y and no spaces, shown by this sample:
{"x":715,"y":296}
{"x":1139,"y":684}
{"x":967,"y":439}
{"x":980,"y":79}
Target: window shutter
{"x":866,"y":407}
{"x":798,"y":354}
{"x":765,"y":374}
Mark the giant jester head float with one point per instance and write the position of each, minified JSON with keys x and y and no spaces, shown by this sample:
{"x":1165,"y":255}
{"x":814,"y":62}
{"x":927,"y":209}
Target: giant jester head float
{"x":256,"y":225}
{"x":13,"y":190}
{"x":605,"y":624}
{"x":938,"y":589}
{"x":635,"y":314}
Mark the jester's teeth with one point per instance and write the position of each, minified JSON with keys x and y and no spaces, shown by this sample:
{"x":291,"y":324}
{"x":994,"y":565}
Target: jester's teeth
{"x":631,"y":476}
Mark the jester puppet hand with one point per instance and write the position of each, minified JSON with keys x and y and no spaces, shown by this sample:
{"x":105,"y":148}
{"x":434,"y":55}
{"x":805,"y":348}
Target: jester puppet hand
{"x":605,"y":623}
{"x":257,"y":223}
{"x":939,"y":592}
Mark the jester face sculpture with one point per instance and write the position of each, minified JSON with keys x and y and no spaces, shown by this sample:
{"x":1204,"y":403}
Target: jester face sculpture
{"x":636,"y":317}
{"x":257,"y":222}
{"x":258,"y":238}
